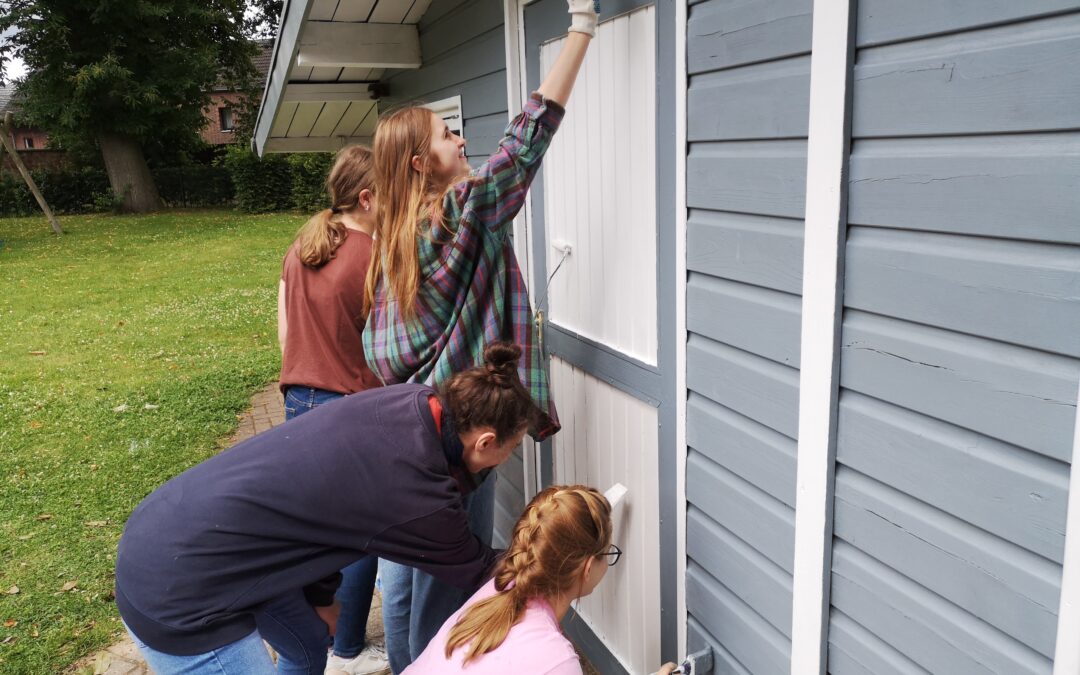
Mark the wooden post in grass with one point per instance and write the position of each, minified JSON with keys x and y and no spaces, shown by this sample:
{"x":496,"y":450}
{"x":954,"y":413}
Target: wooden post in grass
{"x":5,"y":128}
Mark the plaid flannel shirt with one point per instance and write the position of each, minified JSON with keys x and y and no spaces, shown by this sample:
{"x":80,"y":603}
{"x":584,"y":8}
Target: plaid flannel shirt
{"x":472,"y":292}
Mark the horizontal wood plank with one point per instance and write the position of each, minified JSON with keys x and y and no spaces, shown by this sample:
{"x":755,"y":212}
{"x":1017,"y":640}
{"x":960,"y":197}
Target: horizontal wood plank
{"x":1017,"y":187}
{"x":723,"y":34}
{"x":770,"y":100}
{"x":1015,"y":78}
{"x":758,"y":320}
{"x":752,"y":249}
{"x":752,"y":451}
{"x":1016,"y":395}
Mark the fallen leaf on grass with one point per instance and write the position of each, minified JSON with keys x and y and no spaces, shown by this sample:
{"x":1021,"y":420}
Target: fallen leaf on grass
{"x":38,"y":352}
{"x":34,"y":424}
{"x":14,"y":590}
{"x":120,"y":408}
{"x":10,"y":638}
{"x":44,"y":516}
{"x":24,"y":537}
{"x":96,"y":523}
{"x":150,"y":406}
{"x":69,"y":586}
{"x":11,"y":623}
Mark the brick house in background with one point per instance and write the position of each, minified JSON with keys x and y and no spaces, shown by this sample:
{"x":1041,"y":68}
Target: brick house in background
{"x":24,"y":138}
{"x":30,"y":142}
{"x":225,"y":103}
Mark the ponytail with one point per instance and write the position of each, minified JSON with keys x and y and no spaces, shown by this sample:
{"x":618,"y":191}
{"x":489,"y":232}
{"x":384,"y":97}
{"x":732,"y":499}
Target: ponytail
{"x":491,"y":395}
{"x":318,"y":240}
{"x":560,"y":529}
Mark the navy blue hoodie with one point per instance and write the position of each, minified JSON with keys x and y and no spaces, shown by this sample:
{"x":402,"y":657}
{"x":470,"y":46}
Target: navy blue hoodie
{"x":368,"y":474}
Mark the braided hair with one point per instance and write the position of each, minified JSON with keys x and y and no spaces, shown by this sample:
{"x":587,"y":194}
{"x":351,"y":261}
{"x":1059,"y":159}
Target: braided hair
{"x":491,"y":395}
{"x":560,"y":529}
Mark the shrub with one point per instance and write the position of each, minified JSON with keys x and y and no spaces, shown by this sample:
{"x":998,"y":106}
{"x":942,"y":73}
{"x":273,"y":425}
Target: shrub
{"x":309,"y":172}
{"x":262,"y":185}
{"x":194,"y":185}
{"x":67,"y":190}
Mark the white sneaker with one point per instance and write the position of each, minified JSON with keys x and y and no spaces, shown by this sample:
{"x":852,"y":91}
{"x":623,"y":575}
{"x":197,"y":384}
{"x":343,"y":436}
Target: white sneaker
{"x":371,"y":661}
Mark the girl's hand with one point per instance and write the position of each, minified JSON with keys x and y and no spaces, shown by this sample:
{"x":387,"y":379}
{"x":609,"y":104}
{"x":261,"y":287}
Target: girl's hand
{"x":329,"y":615}
{"x":583,"y":16}
{"x":667,"y":669}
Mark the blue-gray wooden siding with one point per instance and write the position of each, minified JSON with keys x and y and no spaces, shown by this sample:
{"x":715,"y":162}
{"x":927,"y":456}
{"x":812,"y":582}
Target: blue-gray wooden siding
{"x":463,"y":50}
{"x":462,"y":46}
{"x":748,"y":98}
{"x":961,"y":337}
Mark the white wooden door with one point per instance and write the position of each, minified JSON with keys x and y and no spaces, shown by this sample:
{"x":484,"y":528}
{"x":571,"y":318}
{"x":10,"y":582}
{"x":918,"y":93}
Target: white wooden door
{"x":599,"y":203}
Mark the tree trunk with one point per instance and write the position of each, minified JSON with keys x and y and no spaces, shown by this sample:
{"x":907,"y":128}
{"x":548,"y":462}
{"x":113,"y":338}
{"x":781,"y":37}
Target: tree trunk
{"x":129,"y":176}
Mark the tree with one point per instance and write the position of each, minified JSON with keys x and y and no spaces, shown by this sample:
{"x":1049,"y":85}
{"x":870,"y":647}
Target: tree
{"x":127,"y":77}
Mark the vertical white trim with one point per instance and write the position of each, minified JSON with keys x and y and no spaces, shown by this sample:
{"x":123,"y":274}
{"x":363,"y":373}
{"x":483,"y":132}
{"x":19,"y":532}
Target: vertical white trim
{"x":1067,"y":652}
{"x":514,"y":40}
{"x":826,"y":215}
{"x":680,"y":319}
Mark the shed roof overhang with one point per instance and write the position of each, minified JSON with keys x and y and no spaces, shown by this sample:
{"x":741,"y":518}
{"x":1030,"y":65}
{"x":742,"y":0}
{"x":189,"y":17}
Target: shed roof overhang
{"x":328,"y":57}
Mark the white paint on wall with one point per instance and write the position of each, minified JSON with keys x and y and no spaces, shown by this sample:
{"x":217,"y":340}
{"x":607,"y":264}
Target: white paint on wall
{"x":680,"y":319}
{"x":600,"y":191}
{"x":609,"y":436}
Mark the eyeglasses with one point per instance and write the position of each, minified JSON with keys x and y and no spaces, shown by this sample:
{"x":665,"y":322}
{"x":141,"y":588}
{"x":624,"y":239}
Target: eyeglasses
{"x":613,"y":555}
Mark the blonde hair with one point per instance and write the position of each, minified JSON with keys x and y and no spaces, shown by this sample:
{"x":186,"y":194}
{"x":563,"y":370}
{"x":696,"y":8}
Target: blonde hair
{"x":407,"y":199}
{"x":319,"y":238}
{"x":562,"y":528}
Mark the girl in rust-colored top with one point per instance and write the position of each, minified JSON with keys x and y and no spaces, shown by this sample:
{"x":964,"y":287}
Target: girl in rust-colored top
{"x":320,"y":300}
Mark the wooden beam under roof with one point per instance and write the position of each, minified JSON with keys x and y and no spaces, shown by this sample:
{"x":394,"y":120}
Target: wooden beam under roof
{"x":313,"y":144}
{"x":326,"y":92}
{"x":351,"y":45}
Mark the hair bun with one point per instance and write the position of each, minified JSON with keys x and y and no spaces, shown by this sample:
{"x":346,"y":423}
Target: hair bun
{"x":500,"y":360}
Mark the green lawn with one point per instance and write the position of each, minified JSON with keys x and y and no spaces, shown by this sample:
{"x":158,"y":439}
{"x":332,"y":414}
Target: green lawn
{"x":127,"y":348}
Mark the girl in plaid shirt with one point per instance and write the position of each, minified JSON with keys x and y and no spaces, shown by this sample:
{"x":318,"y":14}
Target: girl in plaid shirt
{"x":444,"y":281}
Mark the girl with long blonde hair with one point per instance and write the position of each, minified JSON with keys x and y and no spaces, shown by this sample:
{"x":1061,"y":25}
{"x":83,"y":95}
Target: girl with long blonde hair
{"x":560,"y":551}
{"x":444,"y":282}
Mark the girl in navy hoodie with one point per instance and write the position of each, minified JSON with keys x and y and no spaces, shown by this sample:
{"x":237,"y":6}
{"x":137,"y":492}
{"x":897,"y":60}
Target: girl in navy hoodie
{"x":247,"y":545}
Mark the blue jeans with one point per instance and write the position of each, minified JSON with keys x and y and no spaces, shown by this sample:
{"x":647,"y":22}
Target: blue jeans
{"x":358,"y":579}
{"x":289,"y":624}
{"x":415,"y":604}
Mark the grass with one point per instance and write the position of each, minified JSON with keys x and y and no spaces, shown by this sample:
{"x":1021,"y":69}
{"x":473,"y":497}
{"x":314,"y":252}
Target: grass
{"x":127,"y":348}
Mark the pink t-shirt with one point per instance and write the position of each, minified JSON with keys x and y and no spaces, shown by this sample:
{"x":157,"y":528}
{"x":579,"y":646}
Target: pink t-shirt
{"x":534,"y":646}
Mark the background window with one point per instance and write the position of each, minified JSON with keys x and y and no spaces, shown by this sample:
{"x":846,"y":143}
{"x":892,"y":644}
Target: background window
{"x":28,"y":143}
{"x":225,"y":117}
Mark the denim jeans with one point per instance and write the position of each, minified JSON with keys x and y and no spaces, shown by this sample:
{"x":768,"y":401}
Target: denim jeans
{"x":289,"y":624}
{"x":415,"y":604}
{"x":358,"y":579}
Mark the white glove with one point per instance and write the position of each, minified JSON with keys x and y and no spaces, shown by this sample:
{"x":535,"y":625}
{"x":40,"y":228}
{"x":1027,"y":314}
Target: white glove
{"x":583,"y":16}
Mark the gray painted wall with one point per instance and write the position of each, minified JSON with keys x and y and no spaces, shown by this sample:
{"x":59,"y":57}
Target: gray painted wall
{"x":748,"y":97}
{"x":462,"y":47}
{"x":960,"y":349}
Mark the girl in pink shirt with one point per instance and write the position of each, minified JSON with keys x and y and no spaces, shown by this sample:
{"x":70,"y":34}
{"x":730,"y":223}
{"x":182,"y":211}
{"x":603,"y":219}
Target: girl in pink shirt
{"x":561,"y":549}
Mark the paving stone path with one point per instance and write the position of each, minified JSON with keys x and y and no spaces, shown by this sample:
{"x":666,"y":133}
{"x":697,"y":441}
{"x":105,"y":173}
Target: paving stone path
{"x":123,"y":658}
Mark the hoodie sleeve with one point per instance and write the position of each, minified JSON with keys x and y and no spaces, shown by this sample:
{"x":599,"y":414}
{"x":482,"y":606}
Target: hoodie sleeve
{"x":441,"y":544}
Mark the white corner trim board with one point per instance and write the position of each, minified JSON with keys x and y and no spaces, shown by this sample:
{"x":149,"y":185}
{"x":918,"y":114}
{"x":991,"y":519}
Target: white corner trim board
{"x":826,"y":195}
{"x":1067,"y":651}
{"x":680,"y":317}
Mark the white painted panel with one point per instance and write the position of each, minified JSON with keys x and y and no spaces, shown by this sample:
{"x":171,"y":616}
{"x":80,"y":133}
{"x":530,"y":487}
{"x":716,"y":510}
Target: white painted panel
{"x":390,"y":11}
{"x":325,"y":73}
{"x":600,"y":191}
{"x":283,"y":119}
{"x":304,"y":119}
{"x":609,"y":436}
{"x":355,"y":75}
{"x":322,"y":10}
{"x":329,"y":118}
{"x":353,"y":10}
{"x":351,"y":121}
